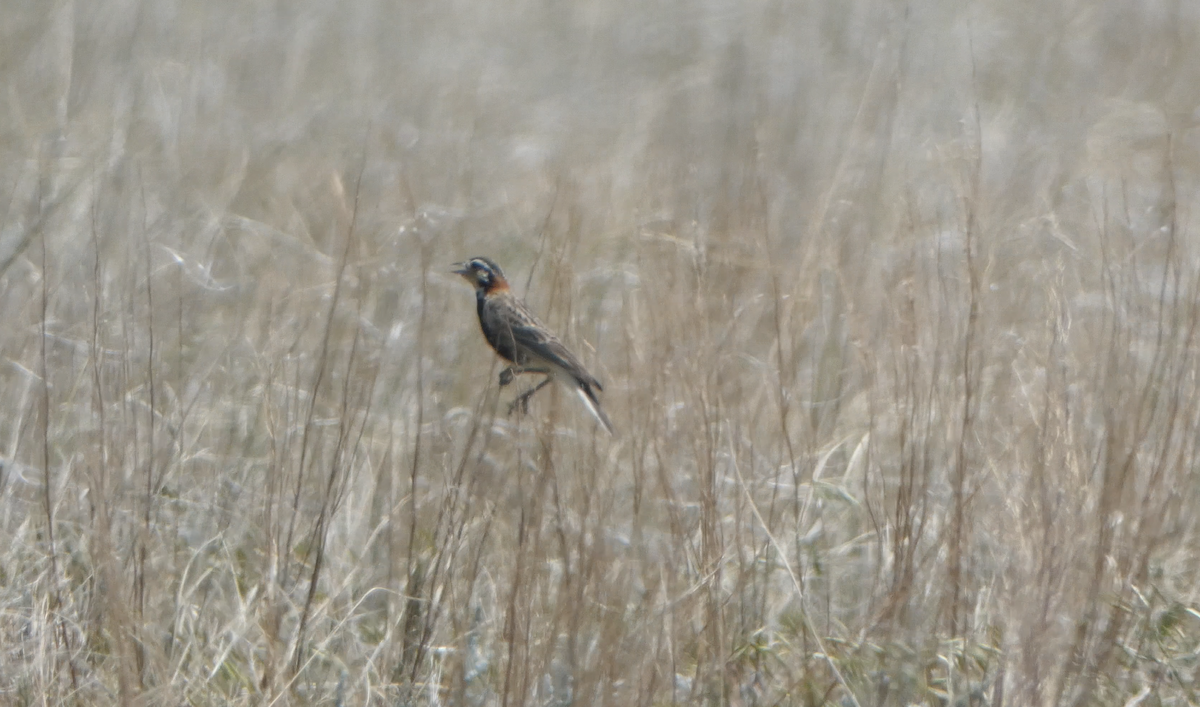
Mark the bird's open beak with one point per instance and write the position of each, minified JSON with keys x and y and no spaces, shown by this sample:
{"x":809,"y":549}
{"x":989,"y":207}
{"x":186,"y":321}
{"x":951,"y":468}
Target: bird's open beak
{"x":461,"y":269}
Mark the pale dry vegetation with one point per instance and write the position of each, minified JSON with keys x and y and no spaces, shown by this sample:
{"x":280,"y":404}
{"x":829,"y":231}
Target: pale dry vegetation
{"x":895,"y":305}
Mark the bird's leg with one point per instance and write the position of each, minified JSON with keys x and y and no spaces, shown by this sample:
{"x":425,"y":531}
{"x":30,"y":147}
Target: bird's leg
{"x":507,"y":375}
{"x":522,"y":400}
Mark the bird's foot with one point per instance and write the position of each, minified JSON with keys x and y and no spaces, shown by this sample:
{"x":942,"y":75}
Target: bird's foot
{"x":506,"y":376}
{"x":521,"y":403}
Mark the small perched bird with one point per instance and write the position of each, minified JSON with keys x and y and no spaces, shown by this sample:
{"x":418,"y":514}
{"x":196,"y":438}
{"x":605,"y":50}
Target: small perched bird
{"x":522,"y":339}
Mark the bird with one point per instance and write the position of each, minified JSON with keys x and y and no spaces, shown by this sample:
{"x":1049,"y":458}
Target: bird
{"x":522,"y":339}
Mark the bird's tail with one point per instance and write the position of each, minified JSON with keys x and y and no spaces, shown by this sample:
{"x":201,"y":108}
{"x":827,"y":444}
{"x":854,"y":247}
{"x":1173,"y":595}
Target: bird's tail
{"x":589,"y":399}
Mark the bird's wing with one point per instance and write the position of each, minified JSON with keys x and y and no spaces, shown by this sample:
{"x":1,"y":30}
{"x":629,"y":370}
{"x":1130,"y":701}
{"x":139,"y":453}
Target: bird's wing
{"x":528,"y":334}
{"x":543,"y":344}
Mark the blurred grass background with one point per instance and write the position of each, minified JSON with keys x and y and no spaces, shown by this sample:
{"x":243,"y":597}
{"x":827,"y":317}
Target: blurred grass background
{"x":895,"y":306}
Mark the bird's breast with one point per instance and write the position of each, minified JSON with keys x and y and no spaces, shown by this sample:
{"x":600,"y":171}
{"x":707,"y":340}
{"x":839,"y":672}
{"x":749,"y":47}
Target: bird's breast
{"x":498,"y":331}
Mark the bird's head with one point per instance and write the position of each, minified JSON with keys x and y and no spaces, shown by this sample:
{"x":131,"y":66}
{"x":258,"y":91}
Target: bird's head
{"x":483,"y":273}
